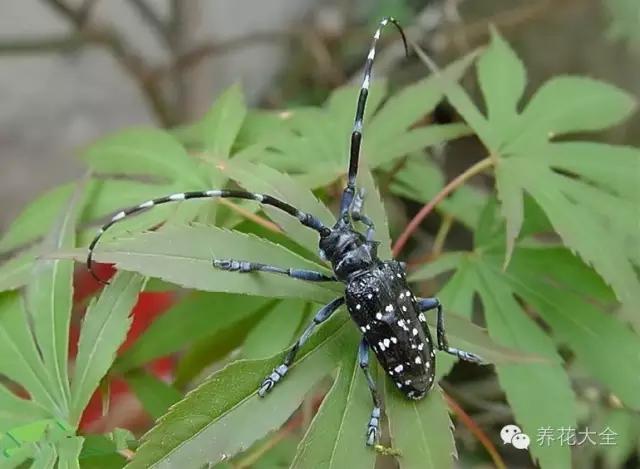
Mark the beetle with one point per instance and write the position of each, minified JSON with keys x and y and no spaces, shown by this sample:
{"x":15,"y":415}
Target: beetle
{"x":377,"y":295}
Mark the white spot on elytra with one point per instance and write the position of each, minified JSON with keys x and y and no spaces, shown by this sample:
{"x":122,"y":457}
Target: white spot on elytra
{"x":398,"y":275}
{"x":363,"y":329}
{"x":401,"y":323}
{"x":407,"y":382}
{"x":418,"y":360}
{"x":414,"y":331}
{"x":399,"y":385}
{"x":358,"y":306}
{"x":422,"y":318}
{"x":381,"y":345}
{"x":387,"y":342}
{"x":394,"y":340}
{"x":378,"y":315}
{"x":404,"y":308}
{"x":408,"y":293}
{"x":389,"y":309}
{"x":401,"y":295}
{"x":369,"y":296}
{"x":368,"y":327}
{"x":398,"y":369}
{"x":420,"y":346}
{"x":428,"y":365}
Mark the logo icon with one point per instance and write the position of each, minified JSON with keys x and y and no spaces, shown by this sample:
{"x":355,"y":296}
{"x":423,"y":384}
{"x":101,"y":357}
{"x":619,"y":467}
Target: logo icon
{"x":512,"y":435}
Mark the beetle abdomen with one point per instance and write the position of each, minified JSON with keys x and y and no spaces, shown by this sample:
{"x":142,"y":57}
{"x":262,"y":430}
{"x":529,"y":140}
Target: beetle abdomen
{"x":384,"y":308}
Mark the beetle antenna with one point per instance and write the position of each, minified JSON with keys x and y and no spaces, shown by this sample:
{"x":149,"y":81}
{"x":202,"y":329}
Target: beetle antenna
{"x":356,"y":134}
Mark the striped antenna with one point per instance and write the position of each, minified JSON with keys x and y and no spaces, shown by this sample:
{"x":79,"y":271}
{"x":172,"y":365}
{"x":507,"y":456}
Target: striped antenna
{"x":356,"y":134}
{"x":306,"y":219}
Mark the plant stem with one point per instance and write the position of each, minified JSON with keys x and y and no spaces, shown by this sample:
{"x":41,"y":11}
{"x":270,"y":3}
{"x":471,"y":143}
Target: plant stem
{"x":477,"y":431}
{"x":252,"y":216}
{"x":446,"y":190}
{"x":441,"y":235}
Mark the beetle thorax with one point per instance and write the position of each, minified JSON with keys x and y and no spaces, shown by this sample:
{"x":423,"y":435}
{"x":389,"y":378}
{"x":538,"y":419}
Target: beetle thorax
{"x":348,"y":251}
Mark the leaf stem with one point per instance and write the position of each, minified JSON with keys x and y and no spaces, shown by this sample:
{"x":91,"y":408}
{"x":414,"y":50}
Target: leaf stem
{"x":441,"y":235}
{"x":251,"y":216}
{"x":476,"y":430}
{"x":440,"y":196}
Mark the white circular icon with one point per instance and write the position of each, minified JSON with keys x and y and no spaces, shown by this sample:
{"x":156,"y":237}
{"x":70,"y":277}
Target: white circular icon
{"x":521,"y":441}
{"x":508,"y":432}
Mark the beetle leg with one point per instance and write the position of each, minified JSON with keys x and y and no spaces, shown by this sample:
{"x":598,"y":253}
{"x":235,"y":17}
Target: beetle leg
{"x":246,"y":267}
{"x":278,"y":372}
{"x":357,"y":215}
{"x":428,"y":304}
{"x":373,"y":428}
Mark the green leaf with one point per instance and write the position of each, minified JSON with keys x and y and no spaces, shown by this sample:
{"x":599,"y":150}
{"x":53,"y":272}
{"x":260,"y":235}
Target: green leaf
{"x":260,"y":126}
{"x":214,"y":347}
{"x":101,"y":197}
{"x":221,"y":125}
{"x":49,"y":296}
{"x":586,"y":105}
{"x":104,"y":329}
{"x":20,"y":359}
{"x":336,"y":436}
{"x":420,"y":179}
{"x":407,"y":107}
{"x":511,"y":196}
{"x":69,"y":452}
{"x":262,"y":179}
{"x":155,"y":395}
{"x":502,"y":79}
{"x":626,"y":425}
{"x":465,"y":335}
{"x":183,"y":255}
{"x":525,"y":162}
{"x":198,"y":316}
{"x":210,"y":424}
{"x":374,"y":209}
{"x":15,"y":272}
{"x":415,"y":140}
{"x":45,"y":457}
{"x":145,"y":152}
{"x":443,"y":263}
{"x":99,"y":452}
{"x":318,"y":143}
{"x":588,"y":331}
{"x":275,"y":331}
{"x":510,"y":325}
{"x":420,"y":430}
{"x":16,"y":411}
{"x":458,"y":97}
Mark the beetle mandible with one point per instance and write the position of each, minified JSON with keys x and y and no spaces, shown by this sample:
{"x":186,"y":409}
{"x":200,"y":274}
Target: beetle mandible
{"x":377,"y":296}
